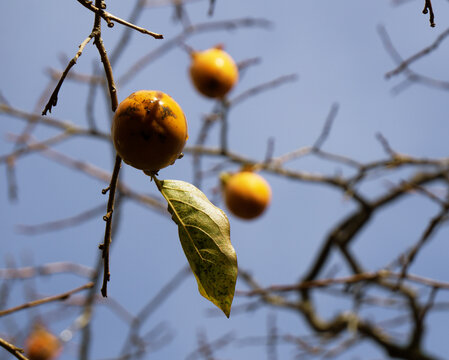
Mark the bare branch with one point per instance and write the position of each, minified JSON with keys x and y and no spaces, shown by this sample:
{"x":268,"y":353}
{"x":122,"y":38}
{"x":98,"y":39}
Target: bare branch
{"x":327,"y":127}
{"x":411,"y":77}
{"x":435,"y":222}
{"x":69,"y":127}
{"x":46,"y":300}
{"x":211,"y":7}
{"x":38,"y":146}
{"x":126,"y":35}
{"x":12,"y":349}
{"x":353,"y":279}
{"x":108,"y":218}
{"x":156,"y":301}
{"x":109,"y":18}
{"x":269,"y":85}
{"x":54,"y":96}
{"x":427,"y":50}
{"x":181,"y":37}
{"x":428,"y":9}
{"x":61,"y":224}
{"x":386,"y":146}
{"x":46,"y":269}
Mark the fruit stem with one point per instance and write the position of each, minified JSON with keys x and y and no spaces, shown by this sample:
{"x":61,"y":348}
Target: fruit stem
{"x":224,"y":178}
{"x":188,"y":49}
{"x":157,"y":182}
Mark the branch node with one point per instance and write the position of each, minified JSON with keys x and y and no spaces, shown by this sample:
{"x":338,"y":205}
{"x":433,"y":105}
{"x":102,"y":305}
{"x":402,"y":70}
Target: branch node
{"x":108,"y":215}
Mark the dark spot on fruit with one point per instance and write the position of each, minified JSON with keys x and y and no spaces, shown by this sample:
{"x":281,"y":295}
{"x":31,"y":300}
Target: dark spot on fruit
{"x":166,"y":111}
{"x":213,"y":84}
{"x":146,"y":135}
{"x":159,"y":95}
{"x":162,"y":137}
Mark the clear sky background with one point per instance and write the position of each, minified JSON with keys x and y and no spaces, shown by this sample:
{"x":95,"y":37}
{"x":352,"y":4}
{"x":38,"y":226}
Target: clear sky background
{"x":335,"y":48}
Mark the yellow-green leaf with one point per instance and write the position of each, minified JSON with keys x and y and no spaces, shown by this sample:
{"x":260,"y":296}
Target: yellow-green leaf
{"x":205,"y":238}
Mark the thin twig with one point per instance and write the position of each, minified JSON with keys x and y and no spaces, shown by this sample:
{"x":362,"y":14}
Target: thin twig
{"x":109,"y":18}
{"x":272,"y":338}
{"x":46,"y":269}
{"x":12,"y":349}
{"x":270,"y":150}
{"x":205,"y":349}
{"x":35,"y":147}
{"x":46,"y":300}
{"x":208,"y":121}
{"x":11,"y":178}
{"x":104,"y":176}
{"x":224,"y":126}
{"x":430,"y":303}
{"x":91,"y":100}
{"x":430,"y":229}
{"x":52,"y":122}
{"x":245,"y":64}
{"x":427,"y":50}
{"x":54,"y":96}
{"x":428,"y":9}
{"x":411,"y":77}
{"x":62,"y":223}
{"x":327,"y":127}
{"x":263,"y":87}
{"x":216,"y":344}
{"x":76,"y":76}
{"x":29,"y":128}
{"x":108,"y":218}
{"x":118,"y":51}
{"x":211,"y":7}
{"x":316,"y":283}
{"x":83,"y":322}
{"x":386,"y":145}
{"x":181,"y":37}
{"x":156,"y":301}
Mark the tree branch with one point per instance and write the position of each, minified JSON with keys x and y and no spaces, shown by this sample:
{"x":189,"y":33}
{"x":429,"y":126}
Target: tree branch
{"x":12,"y":349}
{"x":110,"y":18}
{"x":54,"y":96}
{"x":46,"y":300}
{"x":108,"y":218}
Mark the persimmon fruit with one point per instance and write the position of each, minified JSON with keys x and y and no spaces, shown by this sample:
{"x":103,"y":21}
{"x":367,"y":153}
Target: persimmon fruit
{"x":246,"y":194}
{"x":42,"y":344}
{"x":149,"y":130}
{"x":213,"y":72}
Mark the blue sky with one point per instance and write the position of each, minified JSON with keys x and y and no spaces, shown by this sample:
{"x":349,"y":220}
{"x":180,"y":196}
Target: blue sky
{"x":335,"y":49}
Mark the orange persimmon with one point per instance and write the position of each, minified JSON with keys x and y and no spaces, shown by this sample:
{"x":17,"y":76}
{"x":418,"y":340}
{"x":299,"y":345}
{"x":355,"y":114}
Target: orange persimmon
{"x":149,"y":130}
{"x":213,"y":72}
{"x":42,"y":344}
{"x":246,"y":194}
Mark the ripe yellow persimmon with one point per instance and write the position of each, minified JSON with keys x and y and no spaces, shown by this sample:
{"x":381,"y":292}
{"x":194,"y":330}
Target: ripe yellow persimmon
{"x":246,"y":194}
{"x":41,"y":344}
{"x":149,"y":130}
{"x":213,"y":72}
